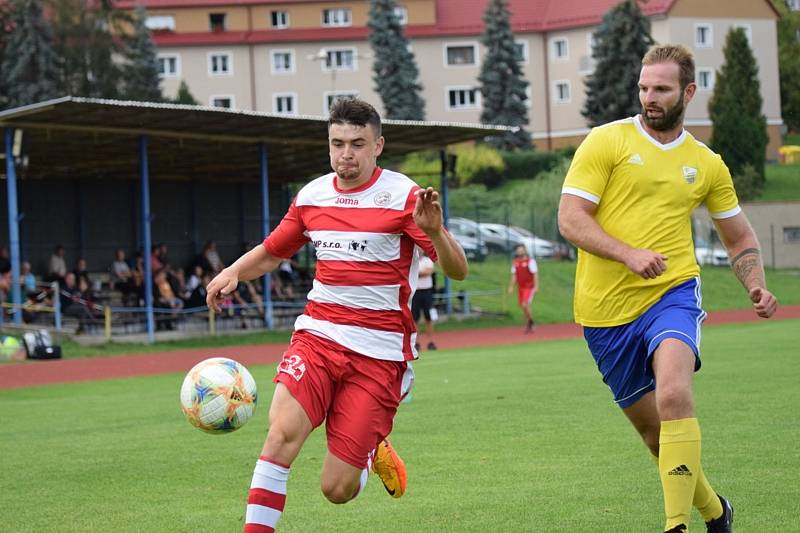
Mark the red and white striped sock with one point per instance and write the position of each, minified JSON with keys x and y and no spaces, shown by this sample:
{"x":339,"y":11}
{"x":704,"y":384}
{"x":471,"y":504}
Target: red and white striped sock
{"x":267,"y":496}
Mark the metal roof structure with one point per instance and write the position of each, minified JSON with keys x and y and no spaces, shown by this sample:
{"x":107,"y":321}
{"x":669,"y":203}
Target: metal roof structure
{"x":71,"y":136}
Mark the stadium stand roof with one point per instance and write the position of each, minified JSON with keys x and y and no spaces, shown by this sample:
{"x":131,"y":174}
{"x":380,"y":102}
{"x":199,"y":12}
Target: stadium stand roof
{"x":82,"y":137}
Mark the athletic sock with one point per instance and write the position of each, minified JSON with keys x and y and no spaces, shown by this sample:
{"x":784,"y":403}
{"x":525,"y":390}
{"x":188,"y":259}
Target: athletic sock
{"x":362,"y":482}
{"x":705,"y":499}
{"x":679,"y":467}
{"x":267,"y":496}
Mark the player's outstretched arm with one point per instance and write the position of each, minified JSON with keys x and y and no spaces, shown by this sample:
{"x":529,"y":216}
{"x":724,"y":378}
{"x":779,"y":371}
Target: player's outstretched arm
{"x":428,"y":217}
{"x":577,"y":224}
{"x":745,"y":255}
{"x":251,"y":265}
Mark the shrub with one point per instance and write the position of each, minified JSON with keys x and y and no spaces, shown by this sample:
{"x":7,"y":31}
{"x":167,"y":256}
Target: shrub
{"x":748,"y":183}
{"x":479,"y":164}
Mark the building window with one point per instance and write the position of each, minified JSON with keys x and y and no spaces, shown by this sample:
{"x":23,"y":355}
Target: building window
{"x":225,"y":101}
{"x":402,"y":14}
{"x":703,"y":36}
{"x":705,"y":79}
{"x":791,"y":235}
{"x":561,"y":92}
{"x":216,"y":21}
{"x":336,"y":17}
{"x":463,"y":98}
{"x":282,"y":61}
{"x":280,"y":19}
{"x":169,"y":65}
{"x":461,"y":54}
{"x":284,"y":103}
{"x":220,"y":64}
{"x":559,"y":49}
{"x":160,"y":23}
{"x":329,"y":97}
{"x":521,"y":49}
{"x":340,"y":59}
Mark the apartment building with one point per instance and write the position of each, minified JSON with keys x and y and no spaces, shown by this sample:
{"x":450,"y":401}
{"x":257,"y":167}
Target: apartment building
{"x":296,"y":56}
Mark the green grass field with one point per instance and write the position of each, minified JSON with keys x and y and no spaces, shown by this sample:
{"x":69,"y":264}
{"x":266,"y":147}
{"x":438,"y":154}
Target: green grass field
{"x":783,"y":183}
{"x":521,"y":438}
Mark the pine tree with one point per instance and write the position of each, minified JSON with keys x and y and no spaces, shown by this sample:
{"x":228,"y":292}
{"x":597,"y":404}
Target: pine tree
{"x":29,"y":61}
{"x":620,"y":42}
{"x":85,"y":38}
{"x":739,"y":125}
{"x":184,"y":96}
{"x":141,"y":69}
{"x":394,"y":69}
{"x":789,"y":61}
{"x":502,"y":82}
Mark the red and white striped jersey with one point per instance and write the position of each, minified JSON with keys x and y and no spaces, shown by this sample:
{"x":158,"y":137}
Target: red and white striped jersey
{"x":367,"y":246}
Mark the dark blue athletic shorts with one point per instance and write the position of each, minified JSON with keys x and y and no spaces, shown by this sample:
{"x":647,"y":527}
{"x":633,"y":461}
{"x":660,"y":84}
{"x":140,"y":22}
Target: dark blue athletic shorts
{"x":623,"y":353}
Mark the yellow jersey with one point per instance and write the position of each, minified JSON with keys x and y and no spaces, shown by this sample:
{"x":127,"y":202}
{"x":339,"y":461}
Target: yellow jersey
{"x":645,"y":193}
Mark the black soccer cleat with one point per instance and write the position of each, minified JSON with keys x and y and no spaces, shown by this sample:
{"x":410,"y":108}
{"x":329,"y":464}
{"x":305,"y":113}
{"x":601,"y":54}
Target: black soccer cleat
{"x":680,"y":528}
{"x":723,"y":524}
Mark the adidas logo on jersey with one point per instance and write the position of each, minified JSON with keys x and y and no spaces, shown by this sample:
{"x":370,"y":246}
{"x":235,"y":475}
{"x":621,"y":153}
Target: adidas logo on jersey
{"x":682,"y":470}
{"x":636,"y":159}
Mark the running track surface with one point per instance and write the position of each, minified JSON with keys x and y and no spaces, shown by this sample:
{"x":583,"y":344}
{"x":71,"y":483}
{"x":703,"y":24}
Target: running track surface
{"x":30,"y":373}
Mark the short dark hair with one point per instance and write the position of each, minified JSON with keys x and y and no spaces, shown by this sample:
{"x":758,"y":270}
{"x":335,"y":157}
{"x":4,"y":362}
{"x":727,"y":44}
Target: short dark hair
{"x":354,"y":111}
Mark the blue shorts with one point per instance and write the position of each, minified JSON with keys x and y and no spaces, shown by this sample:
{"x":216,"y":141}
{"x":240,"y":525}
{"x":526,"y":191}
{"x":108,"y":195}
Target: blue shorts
{"x":623,"y":353}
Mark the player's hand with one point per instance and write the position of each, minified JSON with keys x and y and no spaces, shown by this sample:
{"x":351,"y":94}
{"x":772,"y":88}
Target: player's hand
{"x":764,"y":302}
{"x":646,"y":263}
{"x":427,"y":211}
{"x":220,"y":287}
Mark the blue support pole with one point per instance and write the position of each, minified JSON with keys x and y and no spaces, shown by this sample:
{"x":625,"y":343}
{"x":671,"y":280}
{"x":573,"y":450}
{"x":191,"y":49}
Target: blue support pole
{"x":262,"y":152}
{"x":446,"y":214}
{"x":144,"y":173}
{"x":13,"y":227}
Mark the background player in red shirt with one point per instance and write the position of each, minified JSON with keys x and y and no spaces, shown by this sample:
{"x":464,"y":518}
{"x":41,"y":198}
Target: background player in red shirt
{"x":347,"y":363}
{"x":524,"y":274}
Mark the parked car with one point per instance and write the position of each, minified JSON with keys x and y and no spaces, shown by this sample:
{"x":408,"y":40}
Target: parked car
{"x":715,"y":255}
{"x":464,"y":226}
{"x":474,"y":250}
{"x":536,"y":246}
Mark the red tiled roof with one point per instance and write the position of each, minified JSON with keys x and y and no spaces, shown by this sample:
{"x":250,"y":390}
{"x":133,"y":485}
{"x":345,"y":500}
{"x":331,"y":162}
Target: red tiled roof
{"x":453,"y":18}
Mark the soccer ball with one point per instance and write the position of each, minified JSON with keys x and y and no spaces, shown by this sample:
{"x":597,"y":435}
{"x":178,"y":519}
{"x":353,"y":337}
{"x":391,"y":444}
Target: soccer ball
{"x":9,"y":346}
{"x":218,"y":395}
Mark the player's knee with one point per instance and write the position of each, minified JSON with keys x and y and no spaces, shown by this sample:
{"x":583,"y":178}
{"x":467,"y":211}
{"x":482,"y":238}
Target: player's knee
{"x":338,"y":492}
{"x":674,"y":402}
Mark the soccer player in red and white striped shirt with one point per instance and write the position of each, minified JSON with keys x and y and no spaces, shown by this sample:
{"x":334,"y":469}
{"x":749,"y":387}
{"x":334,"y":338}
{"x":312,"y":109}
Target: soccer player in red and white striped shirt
{"x":348,"y":361}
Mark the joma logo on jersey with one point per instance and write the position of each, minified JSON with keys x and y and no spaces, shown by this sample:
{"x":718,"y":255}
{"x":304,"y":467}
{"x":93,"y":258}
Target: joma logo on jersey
{"x":342,"y":200}
{"x":328,"y":245}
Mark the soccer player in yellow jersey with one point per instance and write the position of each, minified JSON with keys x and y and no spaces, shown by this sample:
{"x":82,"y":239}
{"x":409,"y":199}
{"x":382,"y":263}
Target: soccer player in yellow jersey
{"x":626,"y":204}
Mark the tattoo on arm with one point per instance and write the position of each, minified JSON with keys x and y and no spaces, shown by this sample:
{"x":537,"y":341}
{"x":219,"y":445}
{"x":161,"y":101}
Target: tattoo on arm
{"x":745,"y":262}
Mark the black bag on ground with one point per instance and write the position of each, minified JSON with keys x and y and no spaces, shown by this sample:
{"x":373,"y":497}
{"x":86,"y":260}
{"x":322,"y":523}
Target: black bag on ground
{"x":38,"y":345}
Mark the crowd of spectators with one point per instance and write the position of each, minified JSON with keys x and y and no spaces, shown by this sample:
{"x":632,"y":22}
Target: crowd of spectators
{"x":121,"y":284}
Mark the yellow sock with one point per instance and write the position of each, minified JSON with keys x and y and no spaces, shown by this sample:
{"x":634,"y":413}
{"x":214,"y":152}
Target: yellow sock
{"x":679,"y":468}
{"x":705,"y":499}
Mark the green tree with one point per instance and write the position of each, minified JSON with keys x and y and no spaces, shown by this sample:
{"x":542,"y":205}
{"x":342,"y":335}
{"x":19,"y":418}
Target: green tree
{"x":141,"y":66}
{"x":184,"y":96}
{"x":620,"y":42}
{"x":502,"y":81}
{"x":29,"y":63}
{"x":789,"y":63}
{"x":5,"y":31}
{"x":85,"y":33}
{"x":394,"y":69}
{"x":739,"y":125}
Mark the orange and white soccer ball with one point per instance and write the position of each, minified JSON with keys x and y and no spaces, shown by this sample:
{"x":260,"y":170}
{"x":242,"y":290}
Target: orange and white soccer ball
{"x":218,"y":395}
